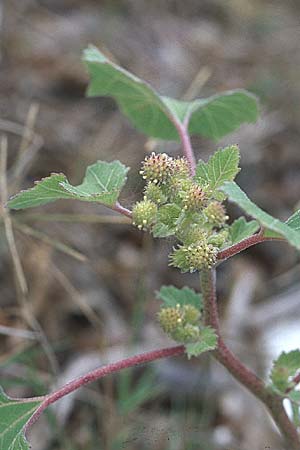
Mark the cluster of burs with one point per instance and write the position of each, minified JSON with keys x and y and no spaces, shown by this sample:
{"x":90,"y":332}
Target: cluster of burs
{"x":175,"y":204}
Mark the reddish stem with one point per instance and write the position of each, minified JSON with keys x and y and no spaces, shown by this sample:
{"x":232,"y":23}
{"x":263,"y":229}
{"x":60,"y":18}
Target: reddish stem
{"x":240,"y":372}
{"x":120,"y":209}
{"x":186,"y":145}
{"x":101,"y":372}
{"x":244,"y":244}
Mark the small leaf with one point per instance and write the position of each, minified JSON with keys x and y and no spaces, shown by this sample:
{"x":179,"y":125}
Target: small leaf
{"x":172,"y":296}
{"x":294,"y":396}
{"x":294,"y":221}
{"x":14,"y":414}
{"x":236,"y":195}
{"x":208,"y":341}
{"x":241,"y":229}
{"x":166,"y":221}
{"x":102,"y":183}
{"x":161,"y":230}
{"x":155,"y":115}
{"x":222,"y":166}
{"x":284,"y":369}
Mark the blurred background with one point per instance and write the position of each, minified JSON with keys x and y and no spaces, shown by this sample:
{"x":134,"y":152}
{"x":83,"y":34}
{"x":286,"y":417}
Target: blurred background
{"x":77,"y":282}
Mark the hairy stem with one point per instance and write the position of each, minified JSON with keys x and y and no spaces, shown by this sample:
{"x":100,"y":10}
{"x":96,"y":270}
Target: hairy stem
{"x":240,"y":372}
{"x":100,"y":373}
{"x":244,"y":244}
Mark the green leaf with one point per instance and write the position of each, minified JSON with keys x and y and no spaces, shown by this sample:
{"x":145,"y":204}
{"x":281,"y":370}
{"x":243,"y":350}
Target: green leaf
{"x":219,"y":115}
{"x":284,"y":369}
{"x":166,"y":220}
{"x":294,"y":396}
{"x":102,"y":183}
{"x":14,"y":414}
{"x":241,"y":229}
{"x":155,"y":115}
{"x":294,"y":221}
{"x":222,"y":166}
{"x":236,"y":195}
{"x":208,"y":341}
{"x":171,"y":296}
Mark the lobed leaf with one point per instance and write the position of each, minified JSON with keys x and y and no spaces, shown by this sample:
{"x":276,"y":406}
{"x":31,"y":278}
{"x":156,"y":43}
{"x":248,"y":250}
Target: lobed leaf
{"x":102,"y":183}
{"x":155,"y":115}
{"x":241,"y":229}
{"x":222,"y":166}
{"x":14,"y":414}
{"x":284,"y":369}
{"x":208,"y":341}
{"x":236,"y":195}
{"x":172,"y":296}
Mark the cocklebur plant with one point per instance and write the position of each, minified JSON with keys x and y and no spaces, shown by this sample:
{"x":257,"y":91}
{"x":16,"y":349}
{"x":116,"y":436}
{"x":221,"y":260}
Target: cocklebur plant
{"x":183,"y":200}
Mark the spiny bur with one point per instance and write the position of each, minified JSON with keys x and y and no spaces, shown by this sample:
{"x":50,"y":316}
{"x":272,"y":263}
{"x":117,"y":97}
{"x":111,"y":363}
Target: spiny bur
{"x":169,"y":319}
{"x":215,"y":214}
{"x":144,"y":214}
{"x":218,"y":239}
{"x":181,"y":167}
{"x":157,"y":167}
{"x":190,"y":314}
{"x":192,"y":257}
{"x":195,"y":233}
{"x":194,"y":198}
{"x":154,"y":193}
{"x":180,"y":322}
{"x":186,"y":334}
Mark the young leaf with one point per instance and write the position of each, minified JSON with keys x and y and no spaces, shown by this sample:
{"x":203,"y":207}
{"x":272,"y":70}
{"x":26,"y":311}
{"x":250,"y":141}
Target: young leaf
{"x":208,"y":341}
{"x":241,"y":229}
{"x":284,"y":369}
{"x":156,"y":115}
{"x":102,"y":183}
{"x":172,"y":296}
{"x":14,"y":414}
{"x":222,"y":166}
{"x":167,"y":217}
{"x":236,"y":195}
{"x":294,"y":221}
{"x":294,"y":396}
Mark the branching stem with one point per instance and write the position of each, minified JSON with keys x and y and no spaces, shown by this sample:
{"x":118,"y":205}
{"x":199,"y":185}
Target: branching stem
{"x":222,"y":353}
{"x":100,"y":373}
{"x":244,"y":244}
{"x":240,"y":372}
